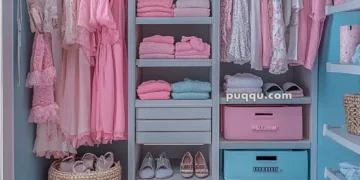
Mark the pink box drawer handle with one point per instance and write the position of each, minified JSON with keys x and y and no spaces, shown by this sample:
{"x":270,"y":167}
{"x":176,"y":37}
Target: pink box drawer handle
{"x":264,"y":128}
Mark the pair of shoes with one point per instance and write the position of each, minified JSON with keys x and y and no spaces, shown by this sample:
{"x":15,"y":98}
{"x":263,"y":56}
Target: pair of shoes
{"x":163,"y":167}
{"x":187,"y":166}
{"x":89,"y":162}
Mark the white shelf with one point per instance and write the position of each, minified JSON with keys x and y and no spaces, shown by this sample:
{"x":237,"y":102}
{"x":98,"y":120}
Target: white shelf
{"x":173,"y":103}
{"x":175,"y":164}
{"x":174,"y":20}
{"x":348,"y":6}
{"x":333,"y":174}
{"x":343,"y":68}
{"x":302,"y":144}
{"x":173,"y":62}
{"x":341,"y":136}
{"x":302,"y":100}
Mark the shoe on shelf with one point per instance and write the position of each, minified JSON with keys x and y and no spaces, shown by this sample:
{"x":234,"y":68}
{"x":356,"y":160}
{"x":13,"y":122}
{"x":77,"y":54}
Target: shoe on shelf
{"x":187,"y":166}
{"x":147,"y":168}
{"x":89,"y":160}
{"x":67,"y":164}
{"x":163,"y":167}
{"x":201,"y":169}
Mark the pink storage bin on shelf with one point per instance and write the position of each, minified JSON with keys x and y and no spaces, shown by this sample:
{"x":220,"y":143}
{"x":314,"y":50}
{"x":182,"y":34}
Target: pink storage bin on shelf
{"x":262,"y":123}
{"x":349,"y":39}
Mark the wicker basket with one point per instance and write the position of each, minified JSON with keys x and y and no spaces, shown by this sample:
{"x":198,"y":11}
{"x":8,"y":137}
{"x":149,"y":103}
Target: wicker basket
{"x":113,"y":173}
{"x":352,"y":113}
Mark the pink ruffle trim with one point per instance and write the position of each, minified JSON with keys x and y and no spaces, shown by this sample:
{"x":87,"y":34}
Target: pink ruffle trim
{"x":101,"y":137}
{"x":40,"y":114}
{"x":55,"y":154}
{"x":41,"y":78}
{"x":78,"y":140}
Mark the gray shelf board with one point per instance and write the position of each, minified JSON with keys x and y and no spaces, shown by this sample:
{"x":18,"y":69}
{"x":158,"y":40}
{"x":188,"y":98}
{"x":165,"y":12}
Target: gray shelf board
{"x":302,"y":100}
{"x":348,"y":6}
{"x":175,"y":164}
{"x":173,"y":62}
{"x":333,"y":174}
{"x":301,"y":144}
{"x":341,"y":135}
{"x":173,"y":103}
{"x":174,"y":20}
{"x":343,"y":68}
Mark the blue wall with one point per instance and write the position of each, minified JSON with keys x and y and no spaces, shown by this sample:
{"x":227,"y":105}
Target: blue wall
{"x":27,"y":165}
{"x":332,"y":87}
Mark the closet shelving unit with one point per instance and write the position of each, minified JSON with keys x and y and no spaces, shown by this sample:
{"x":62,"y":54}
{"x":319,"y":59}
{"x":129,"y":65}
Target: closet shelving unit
{"x":182,"y":125}
{"x":351,"y":5}
{"x":343,"y":68}
{"x":173,"y":70}
{"x":339,"y":133}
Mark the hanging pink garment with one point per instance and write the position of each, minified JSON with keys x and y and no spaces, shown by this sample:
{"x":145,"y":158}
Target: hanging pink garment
{"x":108,"y":106}
{"x":120,"y":67}
{"x":318,"y":18}
{"x":265,"y":33}
{"x":49,"y":140}
{"x":76,"y":92}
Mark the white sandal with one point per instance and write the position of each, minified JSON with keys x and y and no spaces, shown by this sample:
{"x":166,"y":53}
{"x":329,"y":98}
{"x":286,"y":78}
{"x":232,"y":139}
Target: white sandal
{"x":80,"y":167}
{"x":105,"y":162}
{"x":89,"y":160}
{"x":67,"y":164}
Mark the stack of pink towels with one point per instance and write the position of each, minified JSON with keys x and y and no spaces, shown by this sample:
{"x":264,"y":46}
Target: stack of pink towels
{"x":192,"y":48}
{"x":154,"y":90}
{"x":157,"y":47}
{"x":192,"y":8}
{"x":155,"y":8}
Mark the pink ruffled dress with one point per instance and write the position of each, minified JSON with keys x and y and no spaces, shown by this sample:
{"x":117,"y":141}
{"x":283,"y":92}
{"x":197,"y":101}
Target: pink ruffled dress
{"x":45,"y":112}
{"x":75,"y":104}
{"x":108,"y":118}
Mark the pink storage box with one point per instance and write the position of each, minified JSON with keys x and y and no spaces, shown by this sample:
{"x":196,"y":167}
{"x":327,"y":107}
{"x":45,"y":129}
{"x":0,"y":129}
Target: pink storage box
{"x":262,"y":123}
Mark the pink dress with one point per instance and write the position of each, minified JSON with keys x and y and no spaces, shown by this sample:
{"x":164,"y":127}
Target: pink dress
{"x":49,"y":140}
{"x":108,"y":96}
{"x":75,"y":88}
{"x":265,"y":33}
{"x":318,"y":19}
{"x":120,"y":67}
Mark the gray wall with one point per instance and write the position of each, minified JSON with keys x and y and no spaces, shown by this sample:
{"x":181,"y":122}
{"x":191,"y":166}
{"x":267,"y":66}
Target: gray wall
{"x":27,"y":165}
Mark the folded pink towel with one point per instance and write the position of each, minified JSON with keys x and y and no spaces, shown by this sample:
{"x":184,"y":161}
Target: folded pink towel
{"x":192,"y":57}
{"x":205,"y":52}
{"x":160,"y":39}
{"x":155,"y":9}
{"x":191,"y":12}
{"x":162,"y":95}
{"x":152,"y":3}
{"x":156,"y":48}
{"x":155,"y":14}
{"x":157,"y":56}
{"x":153,"y":86}
{"x":190,"y":43}
{"x":193,"y":4}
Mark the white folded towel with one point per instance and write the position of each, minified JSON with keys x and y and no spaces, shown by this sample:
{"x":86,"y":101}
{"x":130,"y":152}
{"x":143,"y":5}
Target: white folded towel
{"x":245,"y":80}
{"x":351,"y":171}
{"x":192,"y":4}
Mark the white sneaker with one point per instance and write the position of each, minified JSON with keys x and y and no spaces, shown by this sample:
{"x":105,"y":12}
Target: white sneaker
{"x":147,"y":169}
{"x":163,"y":167}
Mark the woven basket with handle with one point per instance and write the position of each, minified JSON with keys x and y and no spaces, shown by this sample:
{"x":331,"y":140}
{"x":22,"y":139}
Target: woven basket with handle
{"x":114,"y":173}
{"x":352,"y":113}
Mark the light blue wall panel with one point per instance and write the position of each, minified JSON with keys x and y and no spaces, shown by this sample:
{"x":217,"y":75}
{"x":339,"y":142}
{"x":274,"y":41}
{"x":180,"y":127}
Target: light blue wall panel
{"x":27,"y":165}
{"x":332,"y":87}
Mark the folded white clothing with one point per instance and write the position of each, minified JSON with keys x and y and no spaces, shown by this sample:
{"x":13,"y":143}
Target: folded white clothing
{"x":243,"y":80}
{"x":242,"y":90}
{"x":193,"y":4}
{"x":351,"y":171}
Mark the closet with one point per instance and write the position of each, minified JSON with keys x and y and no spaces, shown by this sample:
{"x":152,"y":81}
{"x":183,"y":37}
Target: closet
{"x":171,"y":126}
